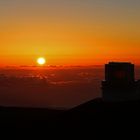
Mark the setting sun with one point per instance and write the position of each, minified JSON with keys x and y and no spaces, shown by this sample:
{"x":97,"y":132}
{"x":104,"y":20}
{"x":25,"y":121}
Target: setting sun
{"x":41,"y":61}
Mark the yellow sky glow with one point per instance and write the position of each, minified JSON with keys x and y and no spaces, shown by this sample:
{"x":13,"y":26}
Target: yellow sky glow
{"x":69,"y":35}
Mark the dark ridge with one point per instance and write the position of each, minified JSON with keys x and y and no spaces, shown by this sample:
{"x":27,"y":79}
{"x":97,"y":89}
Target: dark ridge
{"x":97,"y":113}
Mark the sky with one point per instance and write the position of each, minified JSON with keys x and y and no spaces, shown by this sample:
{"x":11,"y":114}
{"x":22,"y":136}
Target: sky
{"x":69,"y":32}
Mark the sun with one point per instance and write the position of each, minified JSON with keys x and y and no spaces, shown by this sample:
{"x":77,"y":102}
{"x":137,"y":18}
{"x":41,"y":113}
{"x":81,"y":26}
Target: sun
{"x":41,"y":60}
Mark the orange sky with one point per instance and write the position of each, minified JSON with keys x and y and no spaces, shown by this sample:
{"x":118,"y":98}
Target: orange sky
{"x":69,"y":33}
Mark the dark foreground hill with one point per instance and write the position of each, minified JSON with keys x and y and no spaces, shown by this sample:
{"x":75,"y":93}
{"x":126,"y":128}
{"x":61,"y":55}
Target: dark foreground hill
{"x":95,"y":113}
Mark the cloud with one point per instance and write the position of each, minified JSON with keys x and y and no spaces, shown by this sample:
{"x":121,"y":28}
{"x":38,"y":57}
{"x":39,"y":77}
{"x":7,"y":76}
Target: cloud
{"x":36,"y":92}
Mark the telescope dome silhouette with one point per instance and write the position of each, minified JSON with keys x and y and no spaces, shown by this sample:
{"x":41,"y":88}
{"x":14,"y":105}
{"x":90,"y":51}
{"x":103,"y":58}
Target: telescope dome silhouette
{"x":120,"y":84}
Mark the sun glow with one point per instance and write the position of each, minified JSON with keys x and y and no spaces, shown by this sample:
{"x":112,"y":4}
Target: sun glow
{"x":41,"y":61}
